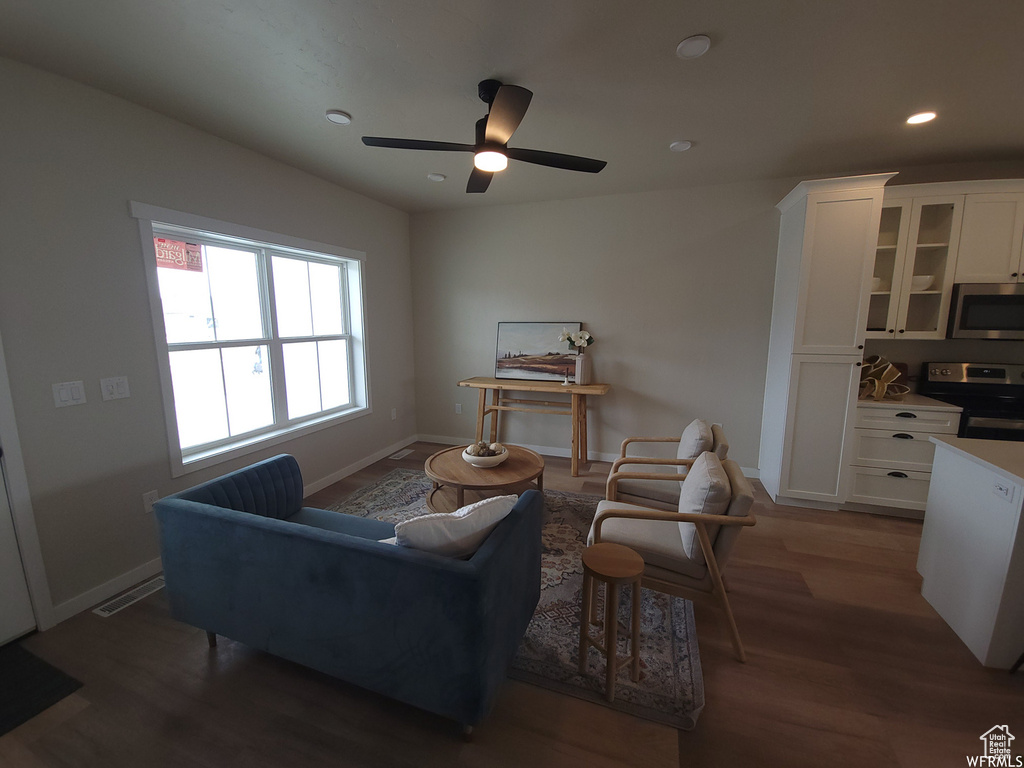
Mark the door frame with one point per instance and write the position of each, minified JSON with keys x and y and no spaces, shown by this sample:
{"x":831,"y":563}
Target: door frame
{"x":21,"y":505}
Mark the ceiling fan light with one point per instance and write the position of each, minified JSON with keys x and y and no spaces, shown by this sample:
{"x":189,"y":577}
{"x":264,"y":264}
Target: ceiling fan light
{"x":490,"y":161}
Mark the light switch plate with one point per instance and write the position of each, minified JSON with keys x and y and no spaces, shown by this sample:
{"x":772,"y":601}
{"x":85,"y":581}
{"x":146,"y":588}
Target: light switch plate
{"x":68,"y":393}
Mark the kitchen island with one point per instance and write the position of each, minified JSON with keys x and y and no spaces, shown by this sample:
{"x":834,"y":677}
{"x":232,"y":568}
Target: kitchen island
{"x":972,"y":545}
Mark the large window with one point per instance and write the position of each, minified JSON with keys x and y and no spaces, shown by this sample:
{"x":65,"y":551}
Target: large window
{"x":258,"y":338}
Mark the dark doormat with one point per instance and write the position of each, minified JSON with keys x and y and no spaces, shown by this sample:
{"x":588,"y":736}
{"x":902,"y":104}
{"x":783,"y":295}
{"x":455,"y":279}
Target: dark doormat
{"x":28,"y":685}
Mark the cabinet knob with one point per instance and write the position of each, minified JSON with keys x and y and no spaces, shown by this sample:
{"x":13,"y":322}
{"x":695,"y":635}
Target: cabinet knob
{"x":1014,"y":274}
{"x":892,"y":330}
{"x":898,"y":474}
{"x":903,"y":436}
{"x":858,"y":364}
{"x":860,"y":346}
{"x":903,"y":330}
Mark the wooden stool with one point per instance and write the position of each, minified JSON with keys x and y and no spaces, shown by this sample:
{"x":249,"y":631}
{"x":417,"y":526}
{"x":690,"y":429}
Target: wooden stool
{"x":614,"y":565}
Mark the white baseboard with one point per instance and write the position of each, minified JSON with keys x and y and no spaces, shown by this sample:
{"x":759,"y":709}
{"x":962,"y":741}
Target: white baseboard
{"x":96,"y":595}
{"x":341,"y":474}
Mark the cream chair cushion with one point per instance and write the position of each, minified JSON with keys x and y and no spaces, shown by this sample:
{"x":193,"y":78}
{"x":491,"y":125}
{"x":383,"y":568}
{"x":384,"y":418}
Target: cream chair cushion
{"x":696,"y":438}
{"x":658,"y":542}
{"x":705,"y":490}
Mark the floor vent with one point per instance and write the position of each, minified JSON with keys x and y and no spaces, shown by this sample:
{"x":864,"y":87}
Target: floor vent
{"x":401,"y":454}
{"x":123,"y":601}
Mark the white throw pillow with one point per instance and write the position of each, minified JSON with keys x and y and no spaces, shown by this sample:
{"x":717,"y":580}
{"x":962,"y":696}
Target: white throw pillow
{"x":705,"y":490}
{"x":455,"y":534}
{"x":696,"y":438}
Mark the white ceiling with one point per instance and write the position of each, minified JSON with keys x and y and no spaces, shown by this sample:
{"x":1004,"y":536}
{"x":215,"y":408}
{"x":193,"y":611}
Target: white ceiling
{"x":806,"y":88}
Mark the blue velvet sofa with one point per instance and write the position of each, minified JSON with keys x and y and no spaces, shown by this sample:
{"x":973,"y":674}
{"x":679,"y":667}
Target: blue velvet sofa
{"x":244,"y":559}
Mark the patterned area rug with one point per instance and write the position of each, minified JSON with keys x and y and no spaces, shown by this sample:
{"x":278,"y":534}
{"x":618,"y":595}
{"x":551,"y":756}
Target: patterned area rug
{"x":671,"y":688}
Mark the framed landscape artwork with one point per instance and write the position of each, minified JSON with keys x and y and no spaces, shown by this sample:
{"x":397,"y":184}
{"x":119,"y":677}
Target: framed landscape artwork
{"x":533,"y":351}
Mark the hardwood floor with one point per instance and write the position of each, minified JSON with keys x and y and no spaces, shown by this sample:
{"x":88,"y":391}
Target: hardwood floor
{"x":848,"y":666}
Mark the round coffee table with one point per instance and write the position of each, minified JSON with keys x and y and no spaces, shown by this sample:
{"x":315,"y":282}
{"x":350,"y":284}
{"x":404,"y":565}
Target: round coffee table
{"x":453,"y":476}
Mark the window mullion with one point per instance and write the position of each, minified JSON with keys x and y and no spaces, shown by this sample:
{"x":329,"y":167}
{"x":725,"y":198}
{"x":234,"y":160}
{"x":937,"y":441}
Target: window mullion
{"x":275,"y":347}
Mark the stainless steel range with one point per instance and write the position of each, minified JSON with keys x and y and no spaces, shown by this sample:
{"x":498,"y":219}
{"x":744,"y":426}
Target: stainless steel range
{"x":991,"y":394}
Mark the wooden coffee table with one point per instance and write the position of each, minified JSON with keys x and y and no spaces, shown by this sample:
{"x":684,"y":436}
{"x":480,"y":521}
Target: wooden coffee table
{"x":453,"y":476}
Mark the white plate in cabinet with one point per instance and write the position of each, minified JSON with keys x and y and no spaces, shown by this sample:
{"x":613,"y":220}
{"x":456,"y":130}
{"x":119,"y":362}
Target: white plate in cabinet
{"x":889,"y":487}
{"x":898,"y":418}
{"x":909,"y":451}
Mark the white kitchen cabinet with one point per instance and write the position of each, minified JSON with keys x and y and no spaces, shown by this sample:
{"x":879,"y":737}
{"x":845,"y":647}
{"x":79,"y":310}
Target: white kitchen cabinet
{"x":971,"y":557}
{"x":914,"y":266}
{"x":891,"y":459}
{"x":827,"y":239}
{"x":991,"y":239}
{"x":822,"y":392}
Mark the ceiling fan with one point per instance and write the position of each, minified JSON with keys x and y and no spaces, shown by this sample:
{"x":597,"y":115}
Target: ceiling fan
{"x":506,"y":107}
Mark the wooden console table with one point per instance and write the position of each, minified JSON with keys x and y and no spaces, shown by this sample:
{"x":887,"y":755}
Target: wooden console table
{"x":576,"y":408}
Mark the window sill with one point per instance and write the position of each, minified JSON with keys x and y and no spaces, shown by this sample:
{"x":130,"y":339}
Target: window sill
{"x":185,"y":464}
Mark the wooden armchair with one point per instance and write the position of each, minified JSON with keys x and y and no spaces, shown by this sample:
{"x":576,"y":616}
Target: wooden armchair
{"x":684,"y":551}
{"x":662,"y":476}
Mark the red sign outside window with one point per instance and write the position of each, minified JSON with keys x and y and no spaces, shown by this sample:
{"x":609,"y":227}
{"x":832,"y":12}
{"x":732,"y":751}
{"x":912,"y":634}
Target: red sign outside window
{"x":177,"y":254}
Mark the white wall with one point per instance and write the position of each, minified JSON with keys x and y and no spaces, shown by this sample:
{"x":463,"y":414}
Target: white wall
{"x":676,"y":287}
{"x":73,"y":305}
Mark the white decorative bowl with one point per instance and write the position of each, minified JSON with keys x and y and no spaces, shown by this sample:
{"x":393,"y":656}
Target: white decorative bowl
{"x":485,"y":461}
{"x":921,"y":282}
{"x":876,"y":283}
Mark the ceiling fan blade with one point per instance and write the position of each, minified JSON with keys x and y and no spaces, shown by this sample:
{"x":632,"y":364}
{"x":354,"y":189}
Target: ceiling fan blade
{"x":556,"y":160}
{"x":507,"y":112}
{"x":437,"y":146}
{"x":479,"y":180}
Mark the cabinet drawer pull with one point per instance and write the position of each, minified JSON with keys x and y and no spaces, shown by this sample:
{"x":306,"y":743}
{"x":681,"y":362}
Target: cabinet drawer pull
{"x":898,"y":474}
{"x":906,"y":415}
{"x":903,"y":436}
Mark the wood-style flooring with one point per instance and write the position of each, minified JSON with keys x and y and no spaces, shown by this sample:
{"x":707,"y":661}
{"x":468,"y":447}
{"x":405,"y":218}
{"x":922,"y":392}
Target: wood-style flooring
{"x":848,"y":666}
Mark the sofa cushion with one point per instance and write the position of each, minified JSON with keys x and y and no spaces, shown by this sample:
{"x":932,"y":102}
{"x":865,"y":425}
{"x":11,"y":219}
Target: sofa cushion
{"x":705,"y":490}
{"x":455,"y":534}
{"x":363,"y":527}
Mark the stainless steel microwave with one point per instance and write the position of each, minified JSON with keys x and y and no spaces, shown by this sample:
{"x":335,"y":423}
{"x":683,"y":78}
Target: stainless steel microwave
{"x":987,"y":311}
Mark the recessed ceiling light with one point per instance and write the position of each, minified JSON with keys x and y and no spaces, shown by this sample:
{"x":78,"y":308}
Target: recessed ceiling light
{"x":436,"y":176}
{"x":921,"y":117}
{"x":680,"y":146}
{"x":338,"y":117}
{"x":693,"y":47}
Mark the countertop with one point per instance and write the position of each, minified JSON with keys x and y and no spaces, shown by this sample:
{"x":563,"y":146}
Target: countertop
{"x":911,"y":400}
{"x":1003,"y":456}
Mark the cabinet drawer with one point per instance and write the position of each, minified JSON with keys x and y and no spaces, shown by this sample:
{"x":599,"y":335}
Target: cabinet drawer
{"x":886,"y":487}
{"x":909,"y":420}
{"x":893,"y":450}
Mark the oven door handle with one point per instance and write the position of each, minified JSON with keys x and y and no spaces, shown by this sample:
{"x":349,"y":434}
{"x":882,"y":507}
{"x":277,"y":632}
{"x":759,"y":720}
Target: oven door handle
{"x":987,"y":422}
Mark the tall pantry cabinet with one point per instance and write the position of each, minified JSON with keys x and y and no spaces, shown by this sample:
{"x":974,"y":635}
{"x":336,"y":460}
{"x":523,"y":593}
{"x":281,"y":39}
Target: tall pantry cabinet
{"x":827,"y":239}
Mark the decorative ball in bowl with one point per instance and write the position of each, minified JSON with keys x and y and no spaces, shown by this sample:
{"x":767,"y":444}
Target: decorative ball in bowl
{"x":921,"y":282}
{"x":485,"y":455}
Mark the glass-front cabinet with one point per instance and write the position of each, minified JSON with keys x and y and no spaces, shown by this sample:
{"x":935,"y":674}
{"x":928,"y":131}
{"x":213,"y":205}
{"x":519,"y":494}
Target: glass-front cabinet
{"x":915,"y":258}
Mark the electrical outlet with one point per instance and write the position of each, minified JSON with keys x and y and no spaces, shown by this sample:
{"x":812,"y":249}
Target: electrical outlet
{"x":115,"y":388}
{"x":394,"y":414}
{"x":1002,"y":489}
{"x":148,"y":499}
{"x":458,"y":407}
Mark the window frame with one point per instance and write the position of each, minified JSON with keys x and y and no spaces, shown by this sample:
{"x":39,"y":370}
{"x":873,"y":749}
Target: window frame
{"x":153,"y":222}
